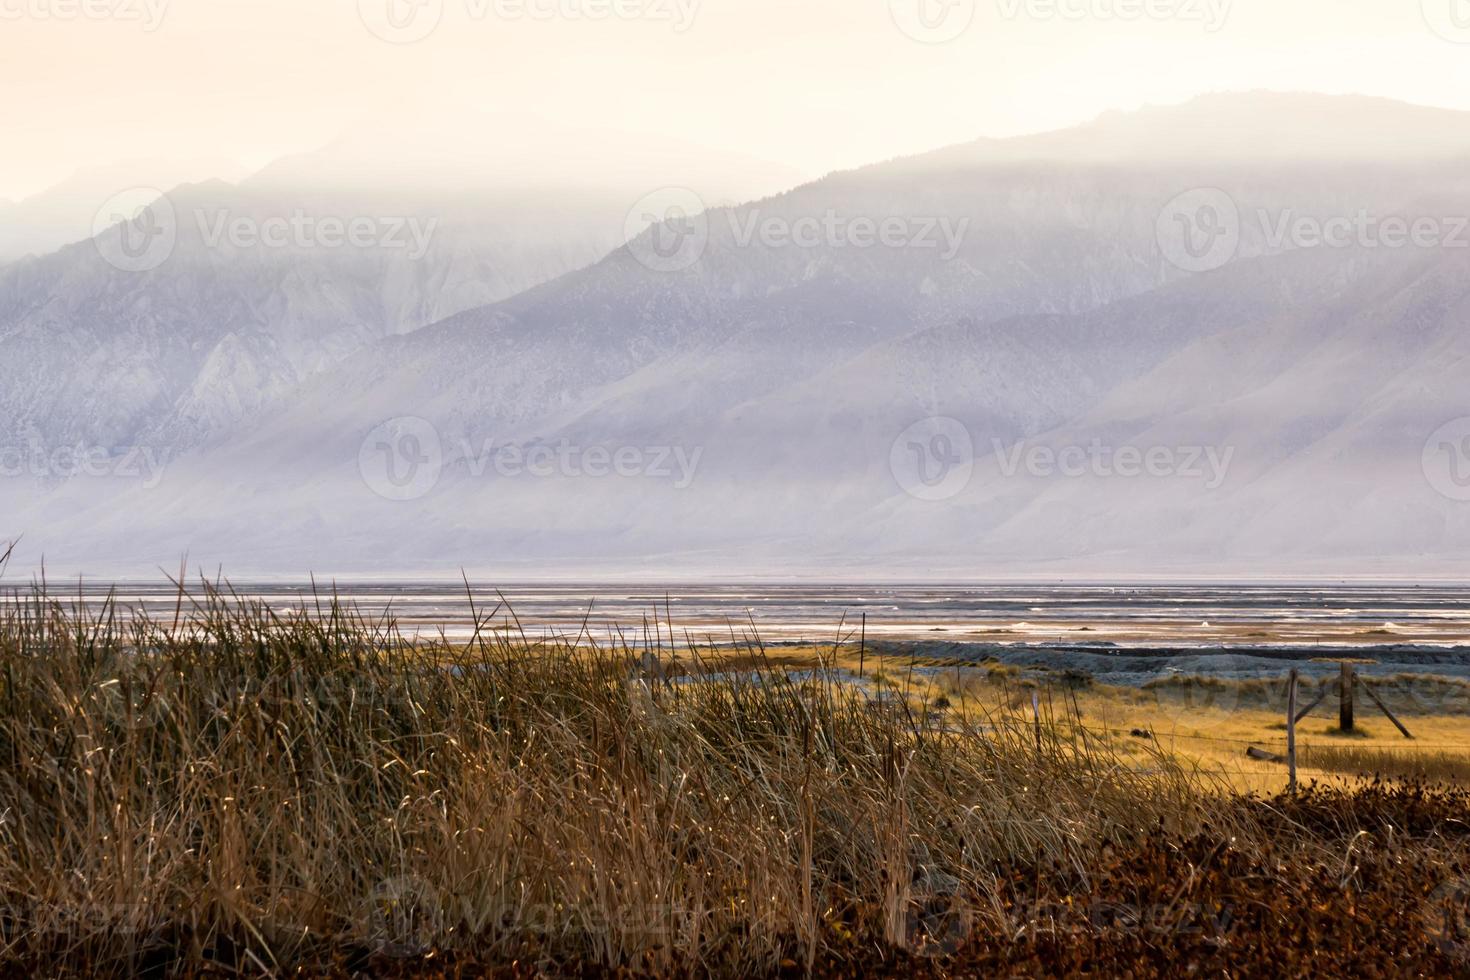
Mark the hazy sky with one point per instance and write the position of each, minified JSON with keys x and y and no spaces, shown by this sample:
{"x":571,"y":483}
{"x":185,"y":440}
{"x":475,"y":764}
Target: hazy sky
{"x":816,"y":84}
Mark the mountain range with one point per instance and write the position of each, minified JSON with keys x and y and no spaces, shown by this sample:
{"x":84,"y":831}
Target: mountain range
{"x":1226,"y":338}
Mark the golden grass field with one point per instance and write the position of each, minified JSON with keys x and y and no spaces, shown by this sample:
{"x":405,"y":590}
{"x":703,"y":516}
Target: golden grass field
{"x":1198,"y":722}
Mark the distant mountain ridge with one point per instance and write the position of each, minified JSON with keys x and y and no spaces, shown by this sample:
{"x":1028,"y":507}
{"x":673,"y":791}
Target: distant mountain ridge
{"x":93,"y":352}
{"x":251,"y":288}
{"x":795,"y":380}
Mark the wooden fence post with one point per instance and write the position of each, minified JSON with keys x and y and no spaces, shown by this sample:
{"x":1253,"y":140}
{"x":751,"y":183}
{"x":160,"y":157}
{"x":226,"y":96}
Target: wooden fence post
{"x":1345,"y":699}
{"x":1321,"y":696}
{"x":1384,"y":708}
{"x":1036,"y":712}
{"x":1291,"y":730}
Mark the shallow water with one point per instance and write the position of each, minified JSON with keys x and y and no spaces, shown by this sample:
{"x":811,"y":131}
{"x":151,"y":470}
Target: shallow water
{"x":1190,"y":617}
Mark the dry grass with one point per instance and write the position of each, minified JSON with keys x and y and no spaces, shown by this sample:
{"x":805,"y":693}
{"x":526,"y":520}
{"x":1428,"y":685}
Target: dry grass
{"x":237,"y":792}
{"x":1429,"y":765}
{"x":1409,"y":695}
{"x":1209,"y":722}
{"x":256,"y":789}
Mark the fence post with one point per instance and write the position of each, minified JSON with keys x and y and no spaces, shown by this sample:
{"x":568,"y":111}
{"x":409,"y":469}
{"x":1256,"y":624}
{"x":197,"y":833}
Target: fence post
{"x":1291,"y":730}
{"x":1036,"y":712}
{"x":1345,"y":699}
{"x":1384,"y":708}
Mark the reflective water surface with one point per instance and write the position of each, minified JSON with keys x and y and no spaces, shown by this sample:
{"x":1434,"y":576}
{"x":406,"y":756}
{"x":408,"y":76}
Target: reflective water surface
{"x":1140,"y":616}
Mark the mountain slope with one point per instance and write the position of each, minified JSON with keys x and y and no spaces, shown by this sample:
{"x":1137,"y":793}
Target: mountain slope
{"x":769,"y":391}
{"x":95,"y":350}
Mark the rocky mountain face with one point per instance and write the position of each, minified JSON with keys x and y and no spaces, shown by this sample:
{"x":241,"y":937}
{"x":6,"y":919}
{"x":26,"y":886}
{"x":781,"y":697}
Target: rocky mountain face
{"x":182,"y":320}
{"x":1226,"y":338}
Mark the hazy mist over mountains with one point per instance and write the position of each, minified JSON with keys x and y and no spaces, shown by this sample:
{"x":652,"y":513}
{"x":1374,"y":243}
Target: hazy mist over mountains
{"x":1228,"y":338}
